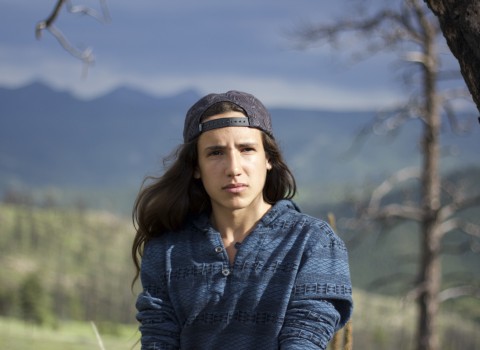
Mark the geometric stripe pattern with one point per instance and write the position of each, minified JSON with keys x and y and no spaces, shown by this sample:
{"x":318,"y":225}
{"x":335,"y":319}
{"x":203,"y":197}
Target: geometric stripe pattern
{"x":289,"y":286}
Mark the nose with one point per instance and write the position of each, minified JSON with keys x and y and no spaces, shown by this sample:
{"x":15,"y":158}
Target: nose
{"x":233,"y":167}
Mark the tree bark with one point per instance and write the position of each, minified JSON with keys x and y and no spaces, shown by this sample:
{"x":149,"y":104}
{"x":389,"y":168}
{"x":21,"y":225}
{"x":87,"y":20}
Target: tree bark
{"x":460,"y":24}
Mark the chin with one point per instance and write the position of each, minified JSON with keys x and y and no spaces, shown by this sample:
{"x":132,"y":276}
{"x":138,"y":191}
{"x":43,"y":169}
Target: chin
{"x":243,"y":203}
{"x":235,"y":204}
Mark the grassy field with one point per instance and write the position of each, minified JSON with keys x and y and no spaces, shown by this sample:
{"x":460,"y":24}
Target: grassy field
{"x":17,"y":335}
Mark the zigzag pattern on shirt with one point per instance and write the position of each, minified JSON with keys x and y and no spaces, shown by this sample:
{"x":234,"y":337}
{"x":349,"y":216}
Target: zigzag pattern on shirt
{"x":211,"y":269}
{"x":238,"y":316}
{"x":323,"y":289}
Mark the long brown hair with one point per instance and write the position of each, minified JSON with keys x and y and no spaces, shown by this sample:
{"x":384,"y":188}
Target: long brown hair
{"x":164,"y":203}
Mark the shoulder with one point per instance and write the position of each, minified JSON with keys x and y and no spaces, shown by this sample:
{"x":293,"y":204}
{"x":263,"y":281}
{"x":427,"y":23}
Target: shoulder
{"x":153,"y":254}
{"x":321,"y":235}
{"x":316,"y":232}
{"x":157,"y":247}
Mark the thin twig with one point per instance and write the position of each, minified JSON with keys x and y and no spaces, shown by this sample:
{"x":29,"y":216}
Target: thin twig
{"x":86,"y":55}
{"x":97,"y":334}
{"x":50,"y":19}
{"x":457,"y":292}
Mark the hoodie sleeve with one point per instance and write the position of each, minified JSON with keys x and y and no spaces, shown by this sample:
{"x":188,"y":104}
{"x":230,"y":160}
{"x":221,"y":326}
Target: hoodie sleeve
{"x":321,"y":301}
{"x":159,"y":327}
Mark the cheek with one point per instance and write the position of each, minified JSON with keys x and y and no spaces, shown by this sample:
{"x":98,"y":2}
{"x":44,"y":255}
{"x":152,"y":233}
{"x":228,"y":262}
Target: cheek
{"x":208,"y":174}
{"x":209,"y":185}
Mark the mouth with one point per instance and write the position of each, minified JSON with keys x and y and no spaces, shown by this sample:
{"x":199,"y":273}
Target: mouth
{"x":235,"y":188}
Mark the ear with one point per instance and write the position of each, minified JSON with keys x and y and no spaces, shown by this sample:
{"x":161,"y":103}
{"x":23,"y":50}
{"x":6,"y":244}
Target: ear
{"x":269,"y":165}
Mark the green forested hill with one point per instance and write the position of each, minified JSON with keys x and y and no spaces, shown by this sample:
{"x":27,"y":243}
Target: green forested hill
{"x":77,"y":262}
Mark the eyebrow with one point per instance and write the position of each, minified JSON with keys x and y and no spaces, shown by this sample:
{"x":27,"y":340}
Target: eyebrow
{"x":240,"y":145}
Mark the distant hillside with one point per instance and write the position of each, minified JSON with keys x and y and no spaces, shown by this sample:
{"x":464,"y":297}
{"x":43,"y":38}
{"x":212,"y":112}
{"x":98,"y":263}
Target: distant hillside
{"x":50,"y":138}
{"x":77,"y":263}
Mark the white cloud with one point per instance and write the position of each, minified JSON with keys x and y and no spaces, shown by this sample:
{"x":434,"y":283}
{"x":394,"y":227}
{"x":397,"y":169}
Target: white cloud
{"x":64,"y":72}
{"x":272,"y":91}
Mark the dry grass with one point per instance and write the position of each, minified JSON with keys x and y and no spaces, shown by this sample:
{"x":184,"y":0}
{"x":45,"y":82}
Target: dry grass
{"x":16,"y":335}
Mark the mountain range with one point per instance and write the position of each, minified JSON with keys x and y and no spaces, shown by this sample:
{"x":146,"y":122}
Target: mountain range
{"x":50,"y":138}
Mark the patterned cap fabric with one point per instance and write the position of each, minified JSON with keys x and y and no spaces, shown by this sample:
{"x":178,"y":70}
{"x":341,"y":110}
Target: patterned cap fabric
{"x":257,"y":114}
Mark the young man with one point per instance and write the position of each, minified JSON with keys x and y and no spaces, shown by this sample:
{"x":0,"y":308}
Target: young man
{"x":227,"y":259}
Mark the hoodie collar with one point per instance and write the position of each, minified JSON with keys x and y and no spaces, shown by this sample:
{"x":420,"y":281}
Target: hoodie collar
{"x":202,"y":221}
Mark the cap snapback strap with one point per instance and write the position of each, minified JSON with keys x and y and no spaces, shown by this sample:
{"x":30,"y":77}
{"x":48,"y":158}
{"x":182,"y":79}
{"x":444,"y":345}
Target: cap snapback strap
{"x":223,"y":123}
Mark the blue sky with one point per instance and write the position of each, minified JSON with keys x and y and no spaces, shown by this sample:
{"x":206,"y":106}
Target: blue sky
{"x":163,"y":47}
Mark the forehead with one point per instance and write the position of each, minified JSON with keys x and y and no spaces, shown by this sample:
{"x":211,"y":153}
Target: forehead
{"x":229,"y":135}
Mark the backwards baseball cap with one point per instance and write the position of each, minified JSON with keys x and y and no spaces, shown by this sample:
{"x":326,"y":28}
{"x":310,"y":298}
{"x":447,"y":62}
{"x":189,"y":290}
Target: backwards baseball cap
{"x":257,"y":115}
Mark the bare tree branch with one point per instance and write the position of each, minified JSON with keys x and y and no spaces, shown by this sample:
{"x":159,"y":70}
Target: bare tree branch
{"x":386,"y":28}
{"x":458,"y":205}
{"x":456,"y":292}
{"x":447,"y":294}
{"x":466,"y":227}
{"x":397,"y":211}
{"x":85,"y":55}
{"x":385,"y":123}
{"x":49,"y":21}
{"x":103,"y":17}
{"x":386,"y":186}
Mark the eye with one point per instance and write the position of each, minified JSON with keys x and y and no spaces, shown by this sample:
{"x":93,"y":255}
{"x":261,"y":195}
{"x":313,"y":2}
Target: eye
{"x":214,"y":153}
{"x":248,"y":149}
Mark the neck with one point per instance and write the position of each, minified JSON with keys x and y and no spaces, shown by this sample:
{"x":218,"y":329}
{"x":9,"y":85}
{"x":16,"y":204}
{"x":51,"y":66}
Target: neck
{"x":235,"y":225}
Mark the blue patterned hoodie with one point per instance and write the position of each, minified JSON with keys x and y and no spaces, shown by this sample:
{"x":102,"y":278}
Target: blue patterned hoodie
{"x":288,"y":288}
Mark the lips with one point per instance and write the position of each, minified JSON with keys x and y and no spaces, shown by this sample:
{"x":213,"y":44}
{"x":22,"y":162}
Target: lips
{"x":235,"y":188}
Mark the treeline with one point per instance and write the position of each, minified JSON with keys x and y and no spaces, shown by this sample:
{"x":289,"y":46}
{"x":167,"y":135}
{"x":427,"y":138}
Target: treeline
{"x":65,"y":264}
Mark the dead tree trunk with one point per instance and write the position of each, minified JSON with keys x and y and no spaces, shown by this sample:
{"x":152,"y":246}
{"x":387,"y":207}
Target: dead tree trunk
{"x":430,"y":267}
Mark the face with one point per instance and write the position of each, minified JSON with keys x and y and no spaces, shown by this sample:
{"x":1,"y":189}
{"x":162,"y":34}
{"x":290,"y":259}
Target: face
{"x":233,"y":166}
